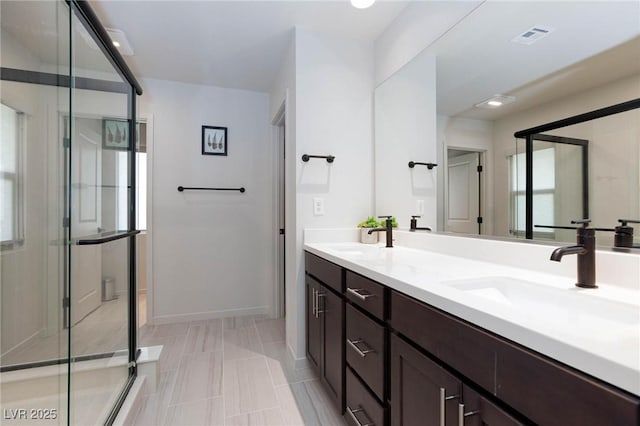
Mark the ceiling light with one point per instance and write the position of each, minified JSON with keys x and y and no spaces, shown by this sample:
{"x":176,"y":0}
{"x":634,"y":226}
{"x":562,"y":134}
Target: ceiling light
{"x":496,"y":101}
{"x":362,"y":4}
{"x":119,"y":40}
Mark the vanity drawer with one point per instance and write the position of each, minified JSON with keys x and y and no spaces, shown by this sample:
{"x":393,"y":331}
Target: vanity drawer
{"x":366,"y":293}
{"x":468,"y":349}
{"x":548,"y":392}
{"x":365,"y":349}
{"x":328,"y":273}
{"x":361,"y":404}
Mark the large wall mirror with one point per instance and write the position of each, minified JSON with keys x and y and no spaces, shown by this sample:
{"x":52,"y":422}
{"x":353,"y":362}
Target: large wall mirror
{"x":547,"y":61}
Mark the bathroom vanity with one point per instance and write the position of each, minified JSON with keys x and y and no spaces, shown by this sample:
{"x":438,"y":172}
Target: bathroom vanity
{"x":410,"y":337}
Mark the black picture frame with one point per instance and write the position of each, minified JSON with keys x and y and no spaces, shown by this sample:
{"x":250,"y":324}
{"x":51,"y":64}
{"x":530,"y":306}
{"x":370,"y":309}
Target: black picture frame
{"x":115,"y":134}
{"x":214,"y":140}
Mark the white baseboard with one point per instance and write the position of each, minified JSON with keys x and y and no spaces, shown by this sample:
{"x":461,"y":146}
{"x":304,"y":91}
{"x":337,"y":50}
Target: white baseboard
{"x":298,"y":363}
{"x":168,"y":319}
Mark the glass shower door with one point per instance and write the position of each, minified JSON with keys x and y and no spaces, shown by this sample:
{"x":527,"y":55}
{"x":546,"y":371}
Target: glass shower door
{"x":99,"y":200}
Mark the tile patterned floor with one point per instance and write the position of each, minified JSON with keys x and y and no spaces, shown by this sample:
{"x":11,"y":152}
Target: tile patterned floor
{"x":231,"y":372}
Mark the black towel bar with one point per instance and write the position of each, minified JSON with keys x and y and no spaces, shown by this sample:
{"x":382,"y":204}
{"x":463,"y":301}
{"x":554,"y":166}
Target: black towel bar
{"x":192,"y":188}
{"x":430,"y":166}
{"x":329,"y":158}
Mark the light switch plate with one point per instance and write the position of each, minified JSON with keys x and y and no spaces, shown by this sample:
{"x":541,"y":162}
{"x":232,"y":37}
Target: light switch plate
{"x":318,"y":206}
{"x":420,"y":207}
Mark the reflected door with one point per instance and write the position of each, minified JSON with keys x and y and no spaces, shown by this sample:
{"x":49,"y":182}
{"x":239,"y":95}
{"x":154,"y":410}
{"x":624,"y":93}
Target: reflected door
{"x":463,"y":206}
{"x":86,"y":178}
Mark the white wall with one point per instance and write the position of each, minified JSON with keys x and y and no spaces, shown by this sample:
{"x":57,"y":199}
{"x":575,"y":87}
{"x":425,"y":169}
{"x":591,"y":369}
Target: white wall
{"x":212,"y":251}
{"x":420,"y":24}
{"x":471,"y":135}
{"x":405,"y":130}
{"x":330,"y":111}
{"x":614,"y":143}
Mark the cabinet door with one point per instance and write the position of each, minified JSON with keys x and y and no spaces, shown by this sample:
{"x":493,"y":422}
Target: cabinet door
{"x":422,"y":393}
{"x":314,"y":338}
{"x":479,"y":411}
{"x":332,"y":372}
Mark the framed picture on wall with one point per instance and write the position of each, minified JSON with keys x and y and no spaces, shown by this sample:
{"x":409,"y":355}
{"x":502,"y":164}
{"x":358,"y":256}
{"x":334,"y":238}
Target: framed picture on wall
{"x":115,"y":134}
{"x":214,"y":140}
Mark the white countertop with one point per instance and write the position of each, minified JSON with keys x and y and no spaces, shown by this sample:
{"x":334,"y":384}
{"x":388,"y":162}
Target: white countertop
{"x":596,"y":331}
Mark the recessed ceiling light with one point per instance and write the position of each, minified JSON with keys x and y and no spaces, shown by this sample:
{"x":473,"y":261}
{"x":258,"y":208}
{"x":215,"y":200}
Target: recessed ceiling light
{"x":119,"y":40}
{"x":362,"y":4}
{"x":496,"y":101}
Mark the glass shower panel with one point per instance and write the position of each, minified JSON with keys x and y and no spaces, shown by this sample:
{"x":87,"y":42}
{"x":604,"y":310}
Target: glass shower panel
{"x":33,"y":252}
{"x":99,"y":205}
{"x":558,"y":193}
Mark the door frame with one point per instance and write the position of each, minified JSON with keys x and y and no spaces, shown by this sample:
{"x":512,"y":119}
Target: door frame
{"x":279,"y":209}
{"x":483,"y":183}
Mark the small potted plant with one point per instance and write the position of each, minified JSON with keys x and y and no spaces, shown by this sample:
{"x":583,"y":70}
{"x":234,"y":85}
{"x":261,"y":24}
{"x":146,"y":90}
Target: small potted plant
{"x":364,"y":226}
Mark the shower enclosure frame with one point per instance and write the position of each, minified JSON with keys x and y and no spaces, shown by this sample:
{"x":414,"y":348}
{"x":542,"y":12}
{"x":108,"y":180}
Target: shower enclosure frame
{"x":83,"y":11}
{"x":533,"y":133}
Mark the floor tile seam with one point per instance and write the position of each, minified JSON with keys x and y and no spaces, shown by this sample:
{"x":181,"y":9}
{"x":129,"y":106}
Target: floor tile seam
{"x":260,"y":338}
{"x":195,"y":401}
{"x":244,"y":413}
{"x":242,"y":358}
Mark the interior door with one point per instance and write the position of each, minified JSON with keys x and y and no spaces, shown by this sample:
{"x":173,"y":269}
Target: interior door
{"x":86,"y":212}
{"x":463,"y":182}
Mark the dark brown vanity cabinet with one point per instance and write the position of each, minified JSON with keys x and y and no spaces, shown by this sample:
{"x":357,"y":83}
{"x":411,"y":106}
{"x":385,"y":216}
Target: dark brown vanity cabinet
{"x":422,"y":392}
{"x":409,"y":363}
{"x":325,"y":326}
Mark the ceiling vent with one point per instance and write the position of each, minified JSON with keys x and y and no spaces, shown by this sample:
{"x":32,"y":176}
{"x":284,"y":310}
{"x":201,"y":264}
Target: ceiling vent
{"x":533,"y":34}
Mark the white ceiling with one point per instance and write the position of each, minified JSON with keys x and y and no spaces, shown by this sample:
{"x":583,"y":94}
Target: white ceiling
{"x":235,"y":44}
{"x":476,"y":59}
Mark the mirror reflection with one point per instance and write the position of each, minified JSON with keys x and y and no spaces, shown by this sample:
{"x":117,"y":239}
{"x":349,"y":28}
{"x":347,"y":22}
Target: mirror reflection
{"x":507,"y":67}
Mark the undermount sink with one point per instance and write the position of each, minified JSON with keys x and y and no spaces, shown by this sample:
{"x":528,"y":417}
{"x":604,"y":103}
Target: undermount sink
{"x":568,"y":306}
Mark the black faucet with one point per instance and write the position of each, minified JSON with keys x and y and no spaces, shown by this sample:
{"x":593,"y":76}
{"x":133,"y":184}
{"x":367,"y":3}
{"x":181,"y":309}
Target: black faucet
{"x":414,"y":225}
{"x":586,"y":251}
{"x":388,"y":228}
{"x":624,"y":234}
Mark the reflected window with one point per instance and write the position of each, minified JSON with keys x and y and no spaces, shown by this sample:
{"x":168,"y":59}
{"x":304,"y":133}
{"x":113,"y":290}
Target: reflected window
{"x":12,"y":136}
{"x":544,"y":185}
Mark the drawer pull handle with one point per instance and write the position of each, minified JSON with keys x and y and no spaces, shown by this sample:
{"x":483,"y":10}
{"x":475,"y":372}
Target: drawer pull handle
{"x":318,"y":296}
{"x":354,"y":343}
{"x":357,"y":292}
{"x":314,"y":301}
{"x":352,"y":413}
{"x":443,"y":399}
{"x":462,"y":414}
